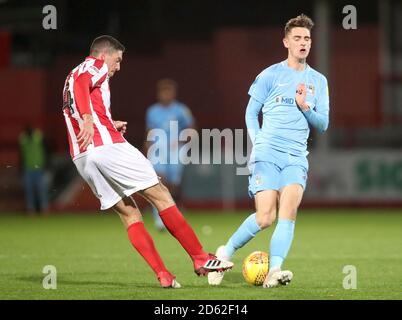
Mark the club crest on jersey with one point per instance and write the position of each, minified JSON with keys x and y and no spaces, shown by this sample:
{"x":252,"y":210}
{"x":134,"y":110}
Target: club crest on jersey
{"x":310,"y":89}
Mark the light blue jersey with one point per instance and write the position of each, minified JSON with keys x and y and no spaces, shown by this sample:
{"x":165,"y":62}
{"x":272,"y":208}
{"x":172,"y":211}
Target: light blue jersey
{"x":279,"y":155}
{"x":285,"y":127}
{"x":161,"y":117}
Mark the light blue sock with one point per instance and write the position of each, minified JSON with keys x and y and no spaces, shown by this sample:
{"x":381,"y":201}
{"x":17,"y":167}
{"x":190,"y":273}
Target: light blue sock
{"x":280,"y":242}
{"x":157,"y":219}
{"x":247,"y":231}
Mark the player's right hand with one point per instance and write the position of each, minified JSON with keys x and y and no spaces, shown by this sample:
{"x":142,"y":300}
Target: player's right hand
{"x":301,"y":93}
{"x":86,"y":133}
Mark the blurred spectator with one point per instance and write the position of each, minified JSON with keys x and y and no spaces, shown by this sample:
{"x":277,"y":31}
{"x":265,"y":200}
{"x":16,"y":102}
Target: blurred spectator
{"x":167,"y":114}
{"x":33,"y":162}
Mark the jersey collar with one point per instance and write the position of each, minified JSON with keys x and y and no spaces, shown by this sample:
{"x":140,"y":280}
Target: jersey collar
{"x":284,"y":64}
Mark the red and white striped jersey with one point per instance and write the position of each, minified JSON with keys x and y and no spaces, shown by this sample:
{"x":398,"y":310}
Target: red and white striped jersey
{"x":86,"y":91}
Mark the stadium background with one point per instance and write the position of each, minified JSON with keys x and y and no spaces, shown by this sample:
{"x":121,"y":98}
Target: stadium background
{"x":214,"y":50}
{"x":351,"y":212}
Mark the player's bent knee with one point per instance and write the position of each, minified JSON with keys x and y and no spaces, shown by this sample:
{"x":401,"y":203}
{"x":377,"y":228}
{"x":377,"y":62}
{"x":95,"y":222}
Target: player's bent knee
{"x":159,"y":196}
{"x":130,"y":219}
{"x":127,"y":214}
{"x":127,"y":208}
{"x":265,"y":219}
{"x":289,"y":213}
{"x":165,"y":189}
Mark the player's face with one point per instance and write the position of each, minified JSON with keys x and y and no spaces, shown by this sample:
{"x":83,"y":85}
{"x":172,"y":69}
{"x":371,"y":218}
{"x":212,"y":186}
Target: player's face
{"x":166,"y":95}
{"x":298,"y":42}
{"x":113,"y":60}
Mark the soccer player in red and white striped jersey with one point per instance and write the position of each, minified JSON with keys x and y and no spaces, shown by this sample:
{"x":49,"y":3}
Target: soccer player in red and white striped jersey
{"x":114,"y":169}
{"x":87,"y":94}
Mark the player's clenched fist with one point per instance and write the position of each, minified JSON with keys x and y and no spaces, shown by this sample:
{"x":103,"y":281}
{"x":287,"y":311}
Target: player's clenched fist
{"x":301,"y":93}
{"x":86,"y":134}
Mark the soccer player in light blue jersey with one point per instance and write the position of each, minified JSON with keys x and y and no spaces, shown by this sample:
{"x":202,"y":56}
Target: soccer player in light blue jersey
{"x":168,"y":115}
{"x":292,"y":97}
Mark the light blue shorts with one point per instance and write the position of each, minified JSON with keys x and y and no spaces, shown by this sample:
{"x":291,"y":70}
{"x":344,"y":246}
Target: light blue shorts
{"x":173,"y":173}
{"x":277,"y":171}
{"x":170,"y":167}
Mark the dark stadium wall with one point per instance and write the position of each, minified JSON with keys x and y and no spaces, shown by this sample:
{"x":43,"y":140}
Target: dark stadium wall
{"x":214,"y":78}
{"x":23,"y":101}
{"x":355,"y":78}
{"x":5,"y":49}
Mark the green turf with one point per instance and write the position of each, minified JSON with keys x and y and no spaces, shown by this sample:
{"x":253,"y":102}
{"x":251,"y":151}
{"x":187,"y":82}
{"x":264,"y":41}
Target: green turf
{"x":94,"y":259}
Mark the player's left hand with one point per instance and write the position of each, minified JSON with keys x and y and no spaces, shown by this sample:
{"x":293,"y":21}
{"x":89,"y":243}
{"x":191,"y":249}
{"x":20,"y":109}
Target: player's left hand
{"x":121,"y":126}
{"x":86,"y":134}
{"x":301,"y":94}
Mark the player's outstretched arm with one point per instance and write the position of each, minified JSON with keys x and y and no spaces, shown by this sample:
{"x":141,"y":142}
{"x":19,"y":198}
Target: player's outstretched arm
{"x":252,"y":111}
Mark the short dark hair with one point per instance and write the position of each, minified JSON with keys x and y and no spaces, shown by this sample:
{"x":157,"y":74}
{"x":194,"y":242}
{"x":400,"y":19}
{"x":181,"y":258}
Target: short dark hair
{"x":105,"y":42}
{"x":301,"y":21}
{"x":166,"y":83}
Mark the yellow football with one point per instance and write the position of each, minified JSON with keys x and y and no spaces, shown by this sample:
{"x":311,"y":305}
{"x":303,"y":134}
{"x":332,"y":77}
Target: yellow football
{"x":255,"y":268}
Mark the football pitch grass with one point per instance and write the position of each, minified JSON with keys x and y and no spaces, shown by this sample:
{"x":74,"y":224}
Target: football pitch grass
{"x":94,"y":259}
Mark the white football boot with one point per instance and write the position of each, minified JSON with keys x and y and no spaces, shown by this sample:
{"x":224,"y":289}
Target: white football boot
{"x":215,"y":278}
{"x":212,"y":264}
{"x":277,"y":277}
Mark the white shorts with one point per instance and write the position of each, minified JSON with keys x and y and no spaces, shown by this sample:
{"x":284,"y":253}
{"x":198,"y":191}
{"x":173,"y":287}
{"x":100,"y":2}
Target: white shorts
{"x":116,"y":171}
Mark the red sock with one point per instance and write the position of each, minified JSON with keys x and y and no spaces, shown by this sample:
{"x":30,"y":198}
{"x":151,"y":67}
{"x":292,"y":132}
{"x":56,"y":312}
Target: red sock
{"x":143,"y":243}
{"x":182,"y":231}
